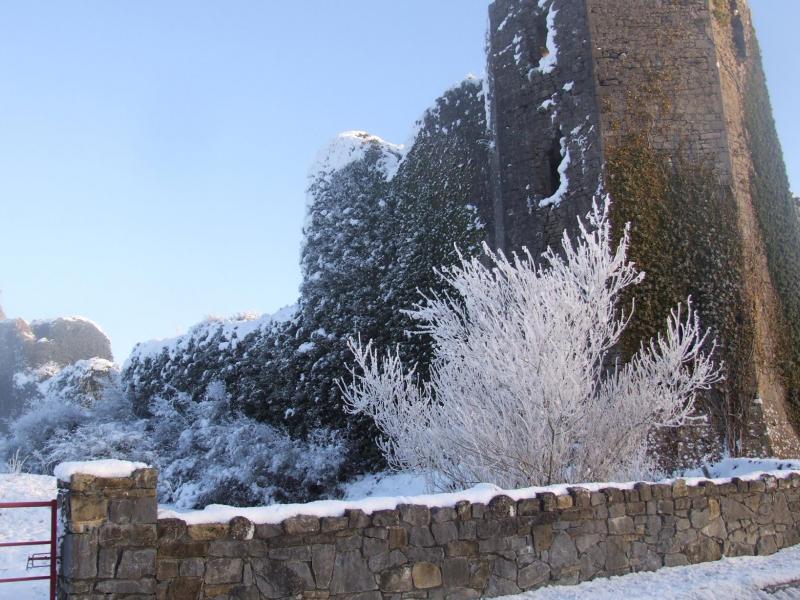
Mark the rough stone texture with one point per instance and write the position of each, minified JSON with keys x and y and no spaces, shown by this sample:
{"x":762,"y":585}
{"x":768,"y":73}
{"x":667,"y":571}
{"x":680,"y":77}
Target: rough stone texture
{"x":28,"y":347}
{"x":109,"y":544}
{"x":501,"y":548}
{"x":684,"y":66}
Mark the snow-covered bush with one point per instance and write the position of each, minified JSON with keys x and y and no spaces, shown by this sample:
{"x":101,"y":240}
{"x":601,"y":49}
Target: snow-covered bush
{"x":206,"y":449}
{"x":210,"y":453}
{"x":524,"y":388}
{"x":79,"y":413}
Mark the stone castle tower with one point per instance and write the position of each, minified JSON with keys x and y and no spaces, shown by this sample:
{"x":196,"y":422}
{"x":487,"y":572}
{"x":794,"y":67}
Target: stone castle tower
{"x":663,"y":104}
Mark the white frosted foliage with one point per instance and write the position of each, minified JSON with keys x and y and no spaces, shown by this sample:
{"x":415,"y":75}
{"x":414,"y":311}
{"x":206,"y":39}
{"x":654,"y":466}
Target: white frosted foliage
{"x":523,"y":388}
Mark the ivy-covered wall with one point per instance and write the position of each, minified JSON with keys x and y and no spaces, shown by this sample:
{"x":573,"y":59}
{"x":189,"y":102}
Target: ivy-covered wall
{"x":675,"y":106}
{"x":778,"y":217}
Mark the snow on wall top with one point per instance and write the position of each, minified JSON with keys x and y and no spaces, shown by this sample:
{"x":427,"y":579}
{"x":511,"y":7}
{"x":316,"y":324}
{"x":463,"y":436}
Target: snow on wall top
{"x":98,"y":468}
{"x":483,"y":493}
{"x":232,"y":329}
{"x":352,"y":146}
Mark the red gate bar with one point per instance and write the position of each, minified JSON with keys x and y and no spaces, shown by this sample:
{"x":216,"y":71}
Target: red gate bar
{"x":10,"y":544}
{"x":53,"y":506}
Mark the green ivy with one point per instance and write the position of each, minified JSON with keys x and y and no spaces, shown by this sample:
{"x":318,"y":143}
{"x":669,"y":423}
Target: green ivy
{"x":684,"y":237}
{"x":779,"y":221}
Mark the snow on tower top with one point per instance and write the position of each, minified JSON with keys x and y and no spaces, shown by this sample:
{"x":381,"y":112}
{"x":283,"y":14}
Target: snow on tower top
{"x":352,"y":146}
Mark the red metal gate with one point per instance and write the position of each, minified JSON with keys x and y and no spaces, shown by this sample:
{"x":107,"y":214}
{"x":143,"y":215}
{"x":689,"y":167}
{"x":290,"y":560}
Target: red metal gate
{"x":53,"y":506}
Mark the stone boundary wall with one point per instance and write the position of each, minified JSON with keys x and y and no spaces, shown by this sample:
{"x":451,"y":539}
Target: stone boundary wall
{"x":108,"y":536}
{"x":114,"y":547}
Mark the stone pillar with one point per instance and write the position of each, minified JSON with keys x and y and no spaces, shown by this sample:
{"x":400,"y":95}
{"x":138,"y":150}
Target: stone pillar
{"x":108,"y":536}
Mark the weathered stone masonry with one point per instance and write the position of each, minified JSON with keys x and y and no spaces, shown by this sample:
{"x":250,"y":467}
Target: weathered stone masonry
{"x":113,"y":546}
{"x":572,"y":81}
{"x":108,"y":543}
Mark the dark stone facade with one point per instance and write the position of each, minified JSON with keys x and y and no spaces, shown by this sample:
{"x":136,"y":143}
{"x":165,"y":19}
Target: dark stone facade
{"x":572,"y":81}
{"x":114,"y":547}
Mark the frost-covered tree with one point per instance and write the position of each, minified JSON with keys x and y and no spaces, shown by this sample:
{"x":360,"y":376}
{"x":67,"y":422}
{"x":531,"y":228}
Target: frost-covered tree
{"x":524,"y":387}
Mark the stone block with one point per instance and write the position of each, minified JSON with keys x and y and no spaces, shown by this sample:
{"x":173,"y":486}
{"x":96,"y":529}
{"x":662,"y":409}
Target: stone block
{"x":227,"y":548}
{"x":357,"y":519}
{"x":107,"y":563}
{"x":322,"y":558}
{"x":426,"y":575}
{"x":767,"y":544}
{"x":549,"y":501}
{"x":562,"y":552}
{"x":192,"y":567}
{"x":126,"y":587}
{"x":184,"y":589}
{"x":462,"y":548}
{"x":397,"y":580}
{"x":330,"y":524}
{"x":79,"y":556}
{"x":415,"y":515}
{"x":533,"y":576}
{"x":421,"y":537}
{"x":443,"y":514}
{"x":86,"y":509}
{"x":167,"y":569}
{"x":207,"y":531}
{"x":374,"y":546}
{"x":378,"y":533}
{"x":386,"y":518}
{"x":223,"y":570}
{"x":241,"y":528}
{"x":275,"y":580}
{"x":145,"y":478}
{"x":351,"y":574}
{"x":300,"y":525}
{"x":455,"y":572}
{"x":529,"y":506}
{"x":137,"y":564}
{"x":171,"y":530}
{"x":397,"y":538}
{"x":444,"y":532}
{"x":502,"y":506}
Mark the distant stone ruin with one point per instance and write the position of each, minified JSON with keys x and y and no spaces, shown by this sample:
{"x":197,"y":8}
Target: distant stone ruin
{"x":33,"y":352}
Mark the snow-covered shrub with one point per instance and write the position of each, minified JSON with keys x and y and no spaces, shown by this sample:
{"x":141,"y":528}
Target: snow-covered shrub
{"x":77,"y":414}
{"x":210,"y":453}
{"x":206,"y":450}
{"x":524,"y":388}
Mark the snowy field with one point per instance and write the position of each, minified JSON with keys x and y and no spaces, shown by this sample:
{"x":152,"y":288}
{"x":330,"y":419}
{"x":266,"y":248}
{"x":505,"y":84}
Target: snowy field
{"x":24,"y":524}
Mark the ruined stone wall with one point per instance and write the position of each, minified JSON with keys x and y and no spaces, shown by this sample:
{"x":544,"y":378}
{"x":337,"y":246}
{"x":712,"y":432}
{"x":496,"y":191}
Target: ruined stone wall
{"x":664,"y":93}
{"x":736,"y":54}
{"x":655,"y":69}
{"x":544,"y":117}
{"x":108,"y":537}
{"x":466,"y":551}
{"x":47,"y":345}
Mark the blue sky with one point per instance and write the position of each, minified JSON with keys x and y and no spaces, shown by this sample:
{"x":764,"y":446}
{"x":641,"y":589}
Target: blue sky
{"x":153,"y":155}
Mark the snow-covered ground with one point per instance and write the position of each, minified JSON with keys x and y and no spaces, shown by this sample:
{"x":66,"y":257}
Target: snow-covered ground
{"x":775,"y":577}
{"x":24,"y":524}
